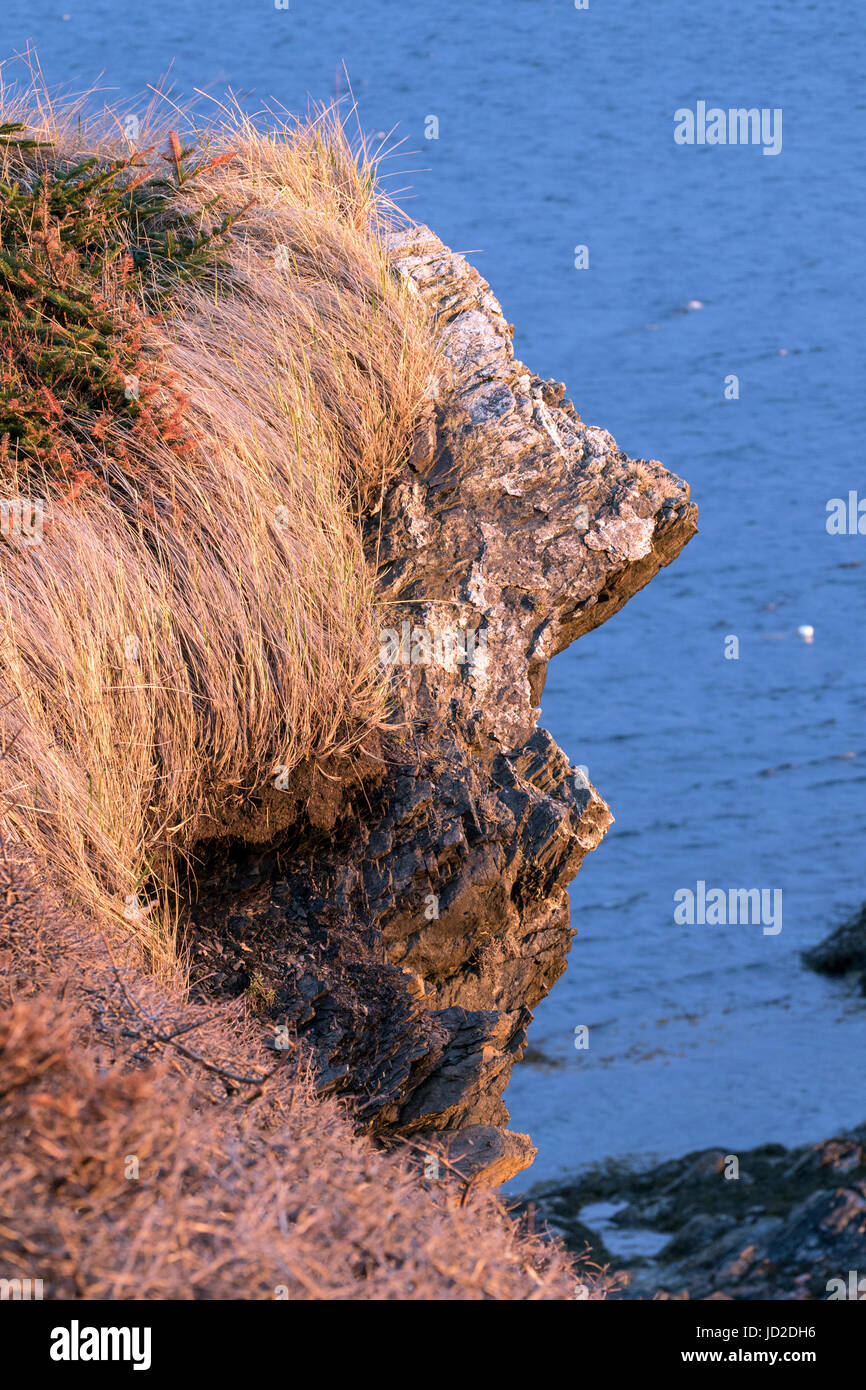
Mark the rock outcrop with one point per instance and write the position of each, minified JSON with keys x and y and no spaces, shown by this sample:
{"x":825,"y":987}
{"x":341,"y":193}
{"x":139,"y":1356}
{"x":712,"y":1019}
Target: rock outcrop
{"x":785,"y":1224}
{"x":843,"y":952}
{"x":406,"y":921}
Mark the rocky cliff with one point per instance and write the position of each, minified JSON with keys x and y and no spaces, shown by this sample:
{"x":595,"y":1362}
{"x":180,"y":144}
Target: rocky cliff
{"x":413,"y":909}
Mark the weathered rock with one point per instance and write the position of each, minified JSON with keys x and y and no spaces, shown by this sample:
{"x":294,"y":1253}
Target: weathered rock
{"x":408,"y":933}
{"x":789,"y":1225}
{"x":483,"y":1153}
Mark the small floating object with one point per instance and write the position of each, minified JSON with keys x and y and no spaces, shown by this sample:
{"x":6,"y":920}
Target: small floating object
{"x":783,"y":352}
{"x":807,"y":632}
{"x":694,"y":304}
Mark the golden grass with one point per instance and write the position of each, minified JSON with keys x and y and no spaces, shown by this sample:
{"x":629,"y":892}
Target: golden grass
{"x":161,"y":658}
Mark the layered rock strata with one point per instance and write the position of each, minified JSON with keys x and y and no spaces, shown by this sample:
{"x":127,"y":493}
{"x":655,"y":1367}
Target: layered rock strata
{"x":407,"y":921}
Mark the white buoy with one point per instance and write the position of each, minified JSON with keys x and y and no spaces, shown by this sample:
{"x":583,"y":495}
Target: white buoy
{"x":807,"y":632}
{"x":694,"y":304}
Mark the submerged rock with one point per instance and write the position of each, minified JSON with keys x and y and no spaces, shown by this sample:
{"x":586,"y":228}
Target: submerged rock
{"x":413,"y":911}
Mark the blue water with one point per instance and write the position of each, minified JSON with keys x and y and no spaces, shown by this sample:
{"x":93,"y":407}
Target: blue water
{"x":556,"y":129}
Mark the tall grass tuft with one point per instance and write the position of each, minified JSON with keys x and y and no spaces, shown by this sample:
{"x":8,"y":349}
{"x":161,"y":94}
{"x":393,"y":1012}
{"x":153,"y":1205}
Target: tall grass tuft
{"x":198,"y":612}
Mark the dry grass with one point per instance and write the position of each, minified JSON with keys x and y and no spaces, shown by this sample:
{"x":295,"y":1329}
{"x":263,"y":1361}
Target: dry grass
{"x":130,"y":1171}
{"x":194,"y":617}
{"x":195,"y":621}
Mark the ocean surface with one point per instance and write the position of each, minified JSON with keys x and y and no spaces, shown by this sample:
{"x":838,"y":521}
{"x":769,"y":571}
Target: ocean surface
{"x":555,"y":130}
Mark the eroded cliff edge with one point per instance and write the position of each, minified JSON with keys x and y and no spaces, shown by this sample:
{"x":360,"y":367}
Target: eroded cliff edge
{"x":414,"y":909}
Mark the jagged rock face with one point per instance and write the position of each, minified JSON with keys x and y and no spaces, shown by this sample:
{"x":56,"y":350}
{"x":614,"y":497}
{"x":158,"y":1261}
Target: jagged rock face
{"x":435,"y":904}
